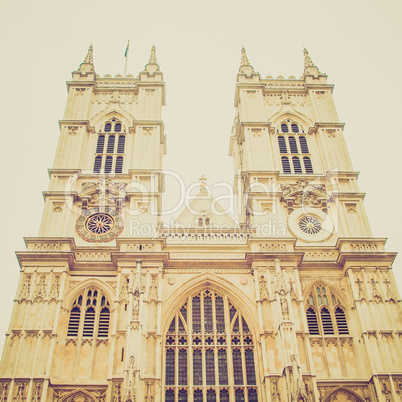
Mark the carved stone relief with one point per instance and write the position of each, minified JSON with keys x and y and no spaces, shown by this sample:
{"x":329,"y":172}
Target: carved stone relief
{"x":153,"y":289}
{"x":25,"y":289}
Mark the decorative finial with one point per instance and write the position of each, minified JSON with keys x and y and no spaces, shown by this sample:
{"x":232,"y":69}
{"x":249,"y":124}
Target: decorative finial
{"x":152,"y":65}
{"x":245,"y":66}
{"x":89,"y":59}
{"x":307,"y":59}
{"x":244,"y":59}
{"x":87,"y":66}
{"x":203,"y":180}
{"x":152,"y":57}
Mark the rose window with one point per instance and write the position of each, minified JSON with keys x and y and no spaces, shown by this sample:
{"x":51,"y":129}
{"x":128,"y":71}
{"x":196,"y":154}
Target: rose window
{"x":100,"y":223}
{"x":310,"y":224}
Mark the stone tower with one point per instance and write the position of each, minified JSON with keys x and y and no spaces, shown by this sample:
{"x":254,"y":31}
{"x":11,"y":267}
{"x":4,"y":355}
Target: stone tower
{"x":294,"y":302}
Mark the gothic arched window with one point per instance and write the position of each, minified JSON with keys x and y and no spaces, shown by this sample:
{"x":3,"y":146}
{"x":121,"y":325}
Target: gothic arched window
{"x":282,"y":145}
{"x":307,"y":164}
{"x":297,"y":152}
{"x":112,"y":133}
{"x":325,"y":314}
{"x":89,"y":315}
{"x":296,"y":165}
{"x":285,"y":164}
{"x":293,"y":145}
{"x":209,"y":352}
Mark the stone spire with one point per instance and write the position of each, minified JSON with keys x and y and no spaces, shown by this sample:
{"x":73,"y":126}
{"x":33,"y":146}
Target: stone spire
{"x":88,"y":64}
{"x":89,"y":59}
{"x":152,"y":57}
{"x":307,"y":59}
{"x":309,"y":67}
{"x":244,"y":59}
{"x":245,"y":66}
{"x":152,"y":65}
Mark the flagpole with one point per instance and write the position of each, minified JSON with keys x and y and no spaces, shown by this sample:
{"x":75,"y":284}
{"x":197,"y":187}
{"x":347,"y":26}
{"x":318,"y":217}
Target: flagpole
{"x":126,"y":55}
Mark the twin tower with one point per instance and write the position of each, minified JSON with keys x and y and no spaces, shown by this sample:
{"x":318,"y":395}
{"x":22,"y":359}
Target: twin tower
{"x":295,"y":301}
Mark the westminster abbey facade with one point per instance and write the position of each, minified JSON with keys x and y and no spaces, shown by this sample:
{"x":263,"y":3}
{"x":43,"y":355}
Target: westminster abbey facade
{"x":208,"y":309}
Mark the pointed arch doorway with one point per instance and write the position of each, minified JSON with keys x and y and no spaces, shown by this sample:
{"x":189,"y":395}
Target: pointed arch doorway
{"x":209,"y":353}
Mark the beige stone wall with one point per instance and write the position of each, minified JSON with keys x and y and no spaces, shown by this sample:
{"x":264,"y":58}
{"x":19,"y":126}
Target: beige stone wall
{"x":272,"y":278}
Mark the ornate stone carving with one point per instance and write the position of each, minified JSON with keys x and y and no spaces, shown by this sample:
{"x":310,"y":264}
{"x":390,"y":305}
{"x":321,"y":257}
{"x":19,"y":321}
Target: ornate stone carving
{"x":80,"y":91}
{"x":149,"y":397}
{"x":285,"y":99}
{"x":389,"y":293}
{"x":47,"y":247}
{"x":58,"y":207}
{"x":316,"y":342}
{"x":147,"y":130}
{"x":374,"y":290}
{"x":101,"y":342}
{"x":25,"y":289}
{"x":143,"y":247}
{"x":281,"y":278}
{"x":256,"y":132}
{"x":150,"y":91}
{"x":40,"y":289}
{"x":130,"y":382}
{"x":361,"y":292}
{"x":292,"y":290}
{"x":36,"y":392}
{"x":136,"y":288}
{"x":320,"y":256}
{"x":3,"y":392}
{"x":346,"y":342}
{"x":20,"y":397}
{"x":92,"y":256}
{"x":72,"y":130}
{"x":282,"y":288}
{"x":284,"y":305}
{"x":331,"y":132}
{"x":331,"y":341}
{"x":105,"y":192}
{"x":363,"y":247}
{"x":272,"y":247}
{"x":274,"y":391}
{"x":303,"y":193}
{"x":153,"y":289}
{"x":297,"y":387}
{"x":264,"y":294}
{"x":123,"y":288}
{"x":206,"y":237}
{"x":116,"y":392}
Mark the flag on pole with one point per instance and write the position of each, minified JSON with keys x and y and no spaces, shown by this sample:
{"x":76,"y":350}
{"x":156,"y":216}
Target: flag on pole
{"x":126,"y":52}
{"x":126,"y":56}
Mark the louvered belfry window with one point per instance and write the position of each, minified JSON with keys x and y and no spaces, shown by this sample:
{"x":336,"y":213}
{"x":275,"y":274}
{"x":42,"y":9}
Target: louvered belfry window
{"x":209,"y":352}
{"x":110,"y":148}
{"x":325,"y":314}
{"x":89,"y":315}
{"x":293,"y":147}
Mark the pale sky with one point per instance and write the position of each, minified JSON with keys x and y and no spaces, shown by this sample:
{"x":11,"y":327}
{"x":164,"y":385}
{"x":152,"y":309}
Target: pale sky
{"x":356,"y":43}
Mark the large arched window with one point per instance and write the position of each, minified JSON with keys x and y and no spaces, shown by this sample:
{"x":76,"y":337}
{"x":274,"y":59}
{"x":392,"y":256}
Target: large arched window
{"x":89,"y":316}
{"x":325,"y":314}
{"x":292,"y":142}
{"x":209,"y":353}
{"x":110,"y":147}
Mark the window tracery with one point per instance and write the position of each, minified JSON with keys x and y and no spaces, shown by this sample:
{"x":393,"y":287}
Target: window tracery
{"x":297,"y":145}
{"x":110,"y":148}
{"x":325,"y":314}
{"x":89,"y":315}
{"x":209,"y":352}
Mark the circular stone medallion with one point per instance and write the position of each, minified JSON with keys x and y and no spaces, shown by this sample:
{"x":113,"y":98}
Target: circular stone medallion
{"x":310,"y":224}
{"x":99,"y":224}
